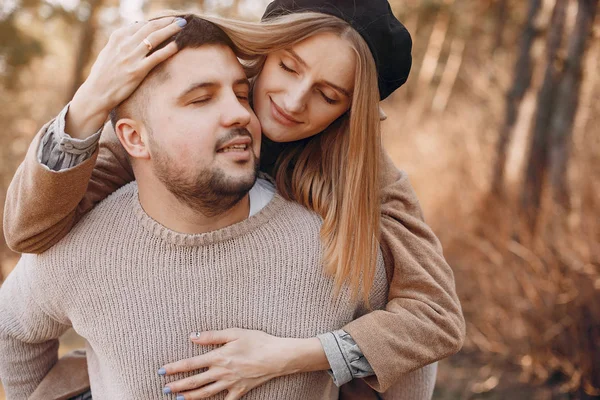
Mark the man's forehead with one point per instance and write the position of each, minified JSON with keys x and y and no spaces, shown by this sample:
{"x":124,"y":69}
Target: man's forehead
{"x":215,"y":63}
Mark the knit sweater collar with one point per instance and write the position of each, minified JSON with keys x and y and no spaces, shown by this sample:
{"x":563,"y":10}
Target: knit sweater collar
{"x":203,"y":239}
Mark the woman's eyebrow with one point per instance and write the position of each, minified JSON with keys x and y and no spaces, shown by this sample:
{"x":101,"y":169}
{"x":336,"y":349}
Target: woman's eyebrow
{"x":297,"y":57}
{"x":338,"y":88}
{"x":345,"y":92}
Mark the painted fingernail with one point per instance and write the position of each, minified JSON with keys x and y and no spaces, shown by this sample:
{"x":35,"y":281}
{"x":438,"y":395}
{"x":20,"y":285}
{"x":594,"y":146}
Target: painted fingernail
{"x":195,"y":335}
{"x":162,"y":371}
{"x":181,"y":22}
{"x":167,"y":390}
{"x":180,"y":397}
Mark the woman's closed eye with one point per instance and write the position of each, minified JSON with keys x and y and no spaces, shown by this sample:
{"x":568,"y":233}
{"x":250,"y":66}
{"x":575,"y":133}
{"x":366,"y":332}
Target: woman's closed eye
{"x":327,"y":99}
{"x":323,"y":95}
{"x":286,"y":68}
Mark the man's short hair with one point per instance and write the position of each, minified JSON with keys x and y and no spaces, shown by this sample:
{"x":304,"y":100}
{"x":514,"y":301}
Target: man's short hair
{"x":197,"y":32}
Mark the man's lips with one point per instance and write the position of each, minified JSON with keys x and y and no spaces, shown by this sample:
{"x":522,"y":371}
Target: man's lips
{"x":281,"y":116}
{"x":241,"y":143}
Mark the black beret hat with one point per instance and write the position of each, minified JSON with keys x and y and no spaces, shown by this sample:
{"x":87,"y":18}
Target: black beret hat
{"x":388,"y":39}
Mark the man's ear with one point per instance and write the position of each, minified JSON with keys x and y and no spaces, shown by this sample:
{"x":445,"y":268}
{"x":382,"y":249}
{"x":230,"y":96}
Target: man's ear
{"x":132,"y":135}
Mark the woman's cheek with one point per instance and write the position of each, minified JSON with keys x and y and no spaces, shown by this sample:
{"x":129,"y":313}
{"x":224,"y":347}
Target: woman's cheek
{"x":258,"y":98}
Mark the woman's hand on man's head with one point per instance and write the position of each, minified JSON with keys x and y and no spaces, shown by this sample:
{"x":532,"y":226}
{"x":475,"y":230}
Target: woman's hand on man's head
{"x":119,"y":69}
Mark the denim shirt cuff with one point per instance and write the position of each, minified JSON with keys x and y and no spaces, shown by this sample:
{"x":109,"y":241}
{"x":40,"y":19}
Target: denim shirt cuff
{"x":58,"y":151}
{"x":340,"y":370}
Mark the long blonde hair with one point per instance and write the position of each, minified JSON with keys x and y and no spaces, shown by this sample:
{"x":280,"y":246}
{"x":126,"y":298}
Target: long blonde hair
{"x":336,"y":172}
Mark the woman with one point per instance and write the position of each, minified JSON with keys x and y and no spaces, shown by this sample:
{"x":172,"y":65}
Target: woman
{"x":328,"y":111}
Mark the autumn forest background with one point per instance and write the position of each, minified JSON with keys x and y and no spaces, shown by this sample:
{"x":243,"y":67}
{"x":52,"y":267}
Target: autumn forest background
{"x":498,"y":129}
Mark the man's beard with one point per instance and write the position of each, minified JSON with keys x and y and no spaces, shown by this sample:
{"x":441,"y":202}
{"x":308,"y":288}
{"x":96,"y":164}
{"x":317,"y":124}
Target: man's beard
{"x":208,"y":190}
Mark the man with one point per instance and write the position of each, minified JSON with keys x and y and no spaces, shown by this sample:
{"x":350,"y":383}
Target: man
{"x":176,"y":251}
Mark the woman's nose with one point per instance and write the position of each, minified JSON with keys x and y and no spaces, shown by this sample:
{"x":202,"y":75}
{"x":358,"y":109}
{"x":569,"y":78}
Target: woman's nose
{"x":295,"y":99}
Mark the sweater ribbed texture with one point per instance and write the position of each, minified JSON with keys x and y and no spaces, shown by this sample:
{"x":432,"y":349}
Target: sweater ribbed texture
{"x":141,"y":289}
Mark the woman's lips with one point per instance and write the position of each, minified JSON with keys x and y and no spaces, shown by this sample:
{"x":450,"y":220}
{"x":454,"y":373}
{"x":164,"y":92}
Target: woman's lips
{"x":280,"y":116}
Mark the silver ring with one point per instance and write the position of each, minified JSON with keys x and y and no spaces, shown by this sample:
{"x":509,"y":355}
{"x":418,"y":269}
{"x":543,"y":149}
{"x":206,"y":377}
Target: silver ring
{"x":148,"y":44}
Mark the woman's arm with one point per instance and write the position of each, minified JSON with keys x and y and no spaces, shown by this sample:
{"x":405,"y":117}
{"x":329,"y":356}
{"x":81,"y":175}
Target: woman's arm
{"x":415,"y":385}
{"x":42,"y":204}
{"x":423,"y":320}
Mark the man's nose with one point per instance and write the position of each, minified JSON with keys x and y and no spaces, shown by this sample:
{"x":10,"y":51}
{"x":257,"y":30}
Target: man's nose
{"x":235,"y":113}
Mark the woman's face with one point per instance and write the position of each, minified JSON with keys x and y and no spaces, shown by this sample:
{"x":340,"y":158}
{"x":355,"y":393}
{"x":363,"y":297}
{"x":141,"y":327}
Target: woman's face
{"x":302,"y":90}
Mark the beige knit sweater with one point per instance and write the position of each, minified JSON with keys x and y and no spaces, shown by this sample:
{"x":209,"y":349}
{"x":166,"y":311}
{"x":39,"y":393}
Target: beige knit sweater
{"x":135,"y":290}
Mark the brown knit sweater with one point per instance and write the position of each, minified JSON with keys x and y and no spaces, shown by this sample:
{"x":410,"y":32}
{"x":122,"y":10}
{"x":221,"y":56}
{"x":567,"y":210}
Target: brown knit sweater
{"x":421,"y":323}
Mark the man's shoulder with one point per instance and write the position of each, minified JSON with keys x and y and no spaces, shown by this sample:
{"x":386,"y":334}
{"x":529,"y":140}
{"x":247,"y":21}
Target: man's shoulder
{"x":100,"y":222}
{"x":122,"y":197}
{"x":265,"y":191}
{"x":115,"y":203}
{"x":295,"y":213}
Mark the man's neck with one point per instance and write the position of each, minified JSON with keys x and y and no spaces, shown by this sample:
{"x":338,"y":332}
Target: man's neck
{"x":166,"y":209}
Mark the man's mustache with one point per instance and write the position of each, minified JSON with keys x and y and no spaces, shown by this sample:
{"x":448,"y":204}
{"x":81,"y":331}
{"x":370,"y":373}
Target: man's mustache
{"x":231,"y":135}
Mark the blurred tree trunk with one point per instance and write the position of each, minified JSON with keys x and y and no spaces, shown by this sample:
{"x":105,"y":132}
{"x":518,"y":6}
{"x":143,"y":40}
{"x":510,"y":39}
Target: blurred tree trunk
{"x":465,"y":32}
{"x":501,"y":14}
{"x":561,"y":128}
{"x":537,"y":163}
{"x":431,"y":62}
{"x":84,"y":49}
{"x":522,"y":81}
